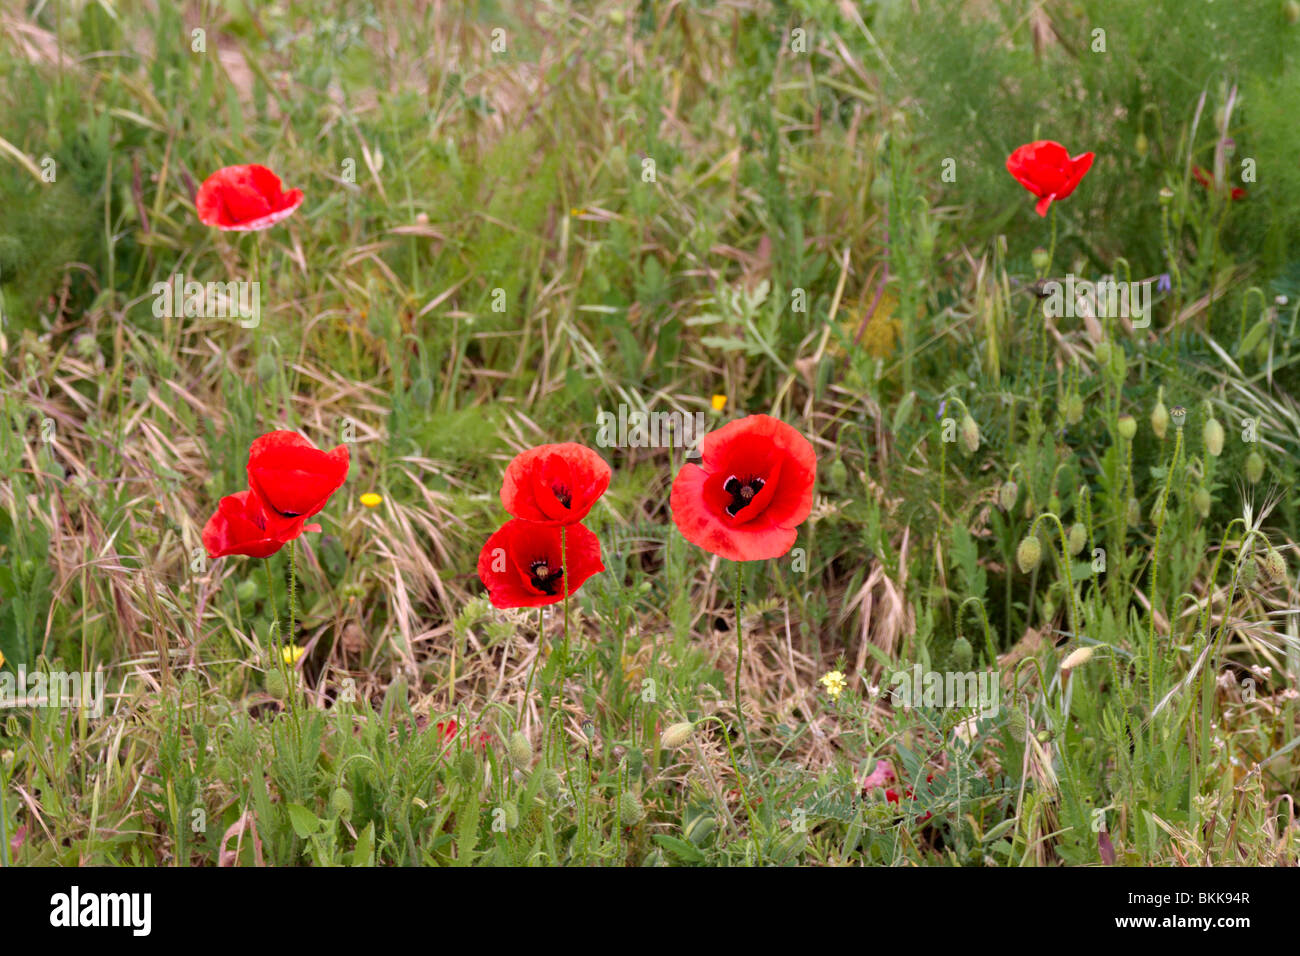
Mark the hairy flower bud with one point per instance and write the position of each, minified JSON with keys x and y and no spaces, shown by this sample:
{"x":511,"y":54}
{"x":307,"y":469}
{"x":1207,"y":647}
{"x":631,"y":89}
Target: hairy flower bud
{"x":1028,"y":554}
{"x":1128,"y":427}
{"x":676,"y":735}
{"x":1007,"y":495}
{"x":1077,"y":538}
{"x":521,"y":751}
{"x":1212,"y":435}
{"x":970,"y":435}
{"x":1254,"y":467}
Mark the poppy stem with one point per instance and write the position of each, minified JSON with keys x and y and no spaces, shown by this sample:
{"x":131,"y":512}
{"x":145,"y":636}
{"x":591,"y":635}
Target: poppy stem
{"x":740,"y":713}
{"x":541,"y":642}
{"x":293,"y":574}
{"x":564,"y":585}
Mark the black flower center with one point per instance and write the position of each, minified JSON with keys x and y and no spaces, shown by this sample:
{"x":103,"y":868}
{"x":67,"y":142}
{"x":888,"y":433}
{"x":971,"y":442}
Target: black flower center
{"x":742,"y":492}
{"x":545,"y":578}
{"x":562,"y":495}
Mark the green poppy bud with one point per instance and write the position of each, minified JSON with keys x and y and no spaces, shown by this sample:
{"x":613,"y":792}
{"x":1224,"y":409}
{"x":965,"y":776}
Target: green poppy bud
{"x":962,"y":653}
{"x":676,"y":735}
{"x":970,"y":435}
{"x":1249,"y":571}
{"x":839,"y":475}
{"x":1028,"y":554}
{"x":275,"y":685}
{"x":1077,"y":538}
{"x":551,"y":783}
{"x":341,"y":803}
{"x":1274,"y":565}
{"x":1160,"y":419}
{"x":1212,"y":435}
{"x":1201,"y":502}
{"x":630,"y":810}
{"x":1141,"y":146}
{"x":521,"y":751}
{"x":1040,"y":259}
{"x":1017,"y":724}
{"x":1073,"y":410}
{"x":1101,"y":352}
{"x":140,"y":389}
{"x":1254,"y":467}
{"x":421,"y":392}
{"x":266,"y":367}
{"x":467,"y":767}
{"x":1128,"y":427}
{"x":1007,"y":495}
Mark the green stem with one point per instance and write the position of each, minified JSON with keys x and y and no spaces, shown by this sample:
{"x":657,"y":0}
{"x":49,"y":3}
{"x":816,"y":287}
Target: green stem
{"x":740,"y":713}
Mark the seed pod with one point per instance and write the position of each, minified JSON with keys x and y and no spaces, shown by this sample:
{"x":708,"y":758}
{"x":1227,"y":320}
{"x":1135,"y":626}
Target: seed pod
{"x":1178,"y":415}
{"x":275,"y":685}
{"x":1054,"y":503}
{"x":1274,"y":565}
{"x":512,"y":815}
{"x":1254,"y":467}
{"x":970,"y":435}
{"x":630,"y":810}
{"x":1077,"y":538}
{"x":1128,"y":427}
{"x":1074,"y":409}
{"x":1201,"y":502}
{"x":962,"y":653}
{"x":1212,"y":435}
{"x":1007,"y":495}
{"x":1160,"y":419}
{"x":521,"y":751}
{"x":1028,"y":554}
{"x":676,"y":735}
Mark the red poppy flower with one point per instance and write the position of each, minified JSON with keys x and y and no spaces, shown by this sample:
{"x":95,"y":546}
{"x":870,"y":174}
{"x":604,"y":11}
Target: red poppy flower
{"x":244,"y":199}
{"x":241,"y":526}
{"x":1204,"y":178}
{"x":752,"y":489}
{"x":291,"y":476}
{"x":448,"y":729}
{"x":891,"y":796}
{"x":1047,"y":170}
{"x":521,"y":563}
{"x":554,"y":484}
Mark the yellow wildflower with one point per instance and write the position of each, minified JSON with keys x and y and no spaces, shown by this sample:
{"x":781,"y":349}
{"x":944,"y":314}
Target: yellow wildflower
{"x":833,"y":681}
{"x":371,"y":500}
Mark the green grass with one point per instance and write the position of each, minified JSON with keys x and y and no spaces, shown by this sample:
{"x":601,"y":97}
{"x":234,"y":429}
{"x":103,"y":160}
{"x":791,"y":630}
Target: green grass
{"x":648,"y":206}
